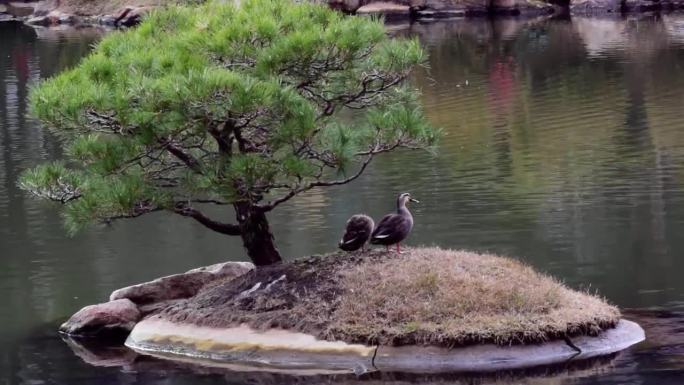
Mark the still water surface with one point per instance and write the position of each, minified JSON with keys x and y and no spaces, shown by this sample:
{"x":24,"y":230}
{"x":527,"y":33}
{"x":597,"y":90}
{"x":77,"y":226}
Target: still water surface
{"x":564,"y":148}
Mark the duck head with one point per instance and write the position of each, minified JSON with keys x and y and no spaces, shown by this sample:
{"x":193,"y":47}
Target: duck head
{"x":404,"y":198}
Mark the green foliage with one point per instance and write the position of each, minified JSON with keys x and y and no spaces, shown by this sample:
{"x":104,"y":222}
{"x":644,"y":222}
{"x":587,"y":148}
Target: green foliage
{"x":110,"y":198}
{"x":53,"y":181}
{"x":225,"y":103}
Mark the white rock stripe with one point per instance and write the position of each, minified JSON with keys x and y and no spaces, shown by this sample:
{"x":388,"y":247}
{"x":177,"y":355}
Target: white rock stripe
{"x":278,"y":350}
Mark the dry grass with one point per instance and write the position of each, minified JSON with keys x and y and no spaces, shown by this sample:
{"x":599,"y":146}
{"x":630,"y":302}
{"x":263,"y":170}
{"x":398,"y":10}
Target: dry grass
{"x":437,"y":297}
{"x":426,"y":296}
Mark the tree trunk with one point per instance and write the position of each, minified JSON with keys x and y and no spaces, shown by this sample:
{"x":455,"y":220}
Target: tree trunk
{"x":256,"y":235}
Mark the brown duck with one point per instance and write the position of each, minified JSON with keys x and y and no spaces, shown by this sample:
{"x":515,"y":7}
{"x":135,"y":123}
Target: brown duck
{"x":395,"y":227}
{"x":357,"y":232}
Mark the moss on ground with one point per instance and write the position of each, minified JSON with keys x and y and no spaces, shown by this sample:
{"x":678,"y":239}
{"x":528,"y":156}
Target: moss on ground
{"x":426,"y":296}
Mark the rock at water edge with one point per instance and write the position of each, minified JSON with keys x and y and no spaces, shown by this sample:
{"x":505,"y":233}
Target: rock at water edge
{"x":114,"y":319}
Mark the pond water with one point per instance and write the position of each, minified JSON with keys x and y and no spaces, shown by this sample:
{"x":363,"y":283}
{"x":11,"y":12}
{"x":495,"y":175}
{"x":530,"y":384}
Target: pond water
{"x":563,"y":148}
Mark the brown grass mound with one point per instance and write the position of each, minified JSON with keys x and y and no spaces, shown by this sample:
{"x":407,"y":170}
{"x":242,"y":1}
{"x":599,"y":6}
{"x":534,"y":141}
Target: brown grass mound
{"x":426,"y":296}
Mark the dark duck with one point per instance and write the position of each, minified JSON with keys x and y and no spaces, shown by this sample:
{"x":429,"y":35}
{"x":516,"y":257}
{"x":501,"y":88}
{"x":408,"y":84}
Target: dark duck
{"x":357,"y":233}
{"x":395,"y":227}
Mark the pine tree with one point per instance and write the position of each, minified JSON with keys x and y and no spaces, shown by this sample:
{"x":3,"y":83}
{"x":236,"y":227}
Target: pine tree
{"x":240,"y":105}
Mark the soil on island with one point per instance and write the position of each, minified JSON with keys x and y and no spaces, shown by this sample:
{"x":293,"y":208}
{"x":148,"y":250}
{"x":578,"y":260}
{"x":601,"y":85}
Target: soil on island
{"x":426,"y":296}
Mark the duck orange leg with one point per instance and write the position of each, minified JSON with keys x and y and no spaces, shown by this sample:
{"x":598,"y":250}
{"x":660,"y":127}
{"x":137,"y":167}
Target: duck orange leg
{"x":398,"y":248}
{"x":387,"y":248}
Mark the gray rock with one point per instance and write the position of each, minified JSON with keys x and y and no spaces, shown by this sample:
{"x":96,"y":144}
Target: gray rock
{"x":384,"y":8}
{"x":42,"y":21}
{"x":67,"y":19}
{"x":107,"y":20}
{"x":111,"y":319}
{"x":489,"y":358}
{"x":179,"y":286}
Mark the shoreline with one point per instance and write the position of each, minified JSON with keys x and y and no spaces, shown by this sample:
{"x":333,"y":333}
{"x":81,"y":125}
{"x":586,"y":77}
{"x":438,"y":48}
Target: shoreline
{"x":42,"y":14}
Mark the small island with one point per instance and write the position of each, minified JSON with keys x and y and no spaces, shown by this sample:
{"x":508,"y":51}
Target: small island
{"x":427,"y":309}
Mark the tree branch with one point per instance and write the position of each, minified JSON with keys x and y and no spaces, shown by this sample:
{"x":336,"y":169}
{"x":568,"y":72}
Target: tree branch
{"x":210,"y":201}
{"x":222,"y":136}
{"x":219,"y":227}
{"x":183,"y":156}
{"x":272,"y":204}
{"x":140,"y":209}
{"x":59,"y":192}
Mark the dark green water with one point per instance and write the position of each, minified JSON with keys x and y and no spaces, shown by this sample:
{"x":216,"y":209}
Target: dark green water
{"x":564,"y":148}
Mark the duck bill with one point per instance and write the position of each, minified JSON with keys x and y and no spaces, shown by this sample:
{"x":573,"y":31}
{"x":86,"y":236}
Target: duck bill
{"x":414,"y":200}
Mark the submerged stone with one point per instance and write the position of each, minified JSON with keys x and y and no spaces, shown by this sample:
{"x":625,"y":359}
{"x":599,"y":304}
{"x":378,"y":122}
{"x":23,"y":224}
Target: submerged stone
{"x":277,"y":350}
{"x":489,"y":358}
{"x":242,"y":344}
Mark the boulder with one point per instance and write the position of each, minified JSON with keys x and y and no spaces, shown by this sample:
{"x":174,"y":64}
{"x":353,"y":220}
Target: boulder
{"x":112,"y":319}
{"x":384,"y":8}
{"x":179,"y":286}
